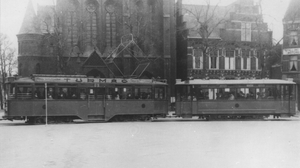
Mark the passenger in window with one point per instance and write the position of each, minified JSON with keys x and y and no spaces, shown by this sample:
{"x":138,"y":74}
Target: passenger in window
{"x":74,"y":96}
{"x":82,"y":95}
{"x":117,"y":96}
{"x":50,"y":93}
{"x":64,"y":93}
{"x":241,"y":95}
{"x":129,"y":96}
{"x":231,"y":97}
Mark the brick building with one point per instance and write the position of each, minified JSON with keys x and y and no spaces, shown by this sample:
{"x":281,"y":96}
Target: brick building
{"x":236,"y":45}
{"x":291,"y":47}
{"x":100,"y":38}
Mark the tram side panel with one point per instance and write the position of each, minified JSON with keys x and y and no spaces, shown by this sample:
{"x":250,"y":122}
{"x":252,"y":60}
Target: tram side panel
{"x":245,"y":107}
{"x":32,"y":108}
{"x":140,"y":107}
{"x":198,"y":108}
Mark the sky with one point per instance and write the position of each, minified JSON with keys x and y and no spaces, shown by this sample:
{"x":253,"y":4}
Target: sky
{"x":12,"y":14}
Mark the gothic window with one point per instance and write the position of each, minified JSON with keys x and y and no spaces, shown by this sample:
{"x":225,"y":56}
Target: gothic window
{"x":246,"y":31}
{"x":110,"y":24}
{"x":197,"y":59}
{"x":229,"y":59}
{"x":293,"y":38}
{"x":72,"y":25}
{"x":91,"y":26}
{"x":293,"y":63}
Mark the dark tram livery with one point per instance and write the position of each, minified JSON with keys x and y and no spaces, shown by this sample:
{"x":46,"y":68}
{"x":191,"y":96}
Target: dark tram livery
{"x":63,"y":98}
{"x":231,"y":99}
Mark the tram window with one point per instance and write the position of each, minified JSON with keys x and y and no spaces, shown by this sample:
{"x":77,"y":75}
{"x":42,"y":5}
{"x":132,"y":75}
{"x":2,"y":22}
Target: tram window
{"x":91,"y":94}
{"x":181,"y":94}
{"x":51,"y":93}
{"x":287,"y":92}
{"x":63,"y":93}
{"x":24,"y":92}
{"x":12,"y":91}
{"x":242,"y":93}
{"x":39,"y":92}
{"x":82,"y":93}
{"x":145,"y":92}
{"x":159,"y":93}
{"x":111,"y":94}
{"x":198,"y":93}
{"x":125,"y":93}
{"x":226,"y":94}
{"x":100,"y":93}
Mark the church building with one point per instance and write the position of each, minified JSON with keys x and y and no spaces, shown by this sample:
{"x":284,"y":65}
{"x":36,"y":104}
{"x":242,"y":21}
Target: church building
{"x":100,"y":38}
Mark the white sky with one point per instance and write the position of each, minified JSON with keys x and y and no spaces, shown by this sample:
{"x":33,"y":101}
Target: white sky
{"x":12,"y":13}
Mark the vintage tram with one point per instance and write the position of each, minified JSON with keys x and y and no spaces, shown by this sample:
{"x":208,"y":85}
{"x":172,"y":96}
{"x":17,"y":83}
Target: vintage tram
{"x":232,"y":99}
{"x":63,"y":98}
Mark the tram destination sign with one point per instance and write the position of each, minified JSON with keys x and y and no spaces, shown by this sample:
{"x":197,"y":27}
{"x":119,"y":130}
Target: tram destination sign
{"x":90,"y":80}
{"x":291,"y":51}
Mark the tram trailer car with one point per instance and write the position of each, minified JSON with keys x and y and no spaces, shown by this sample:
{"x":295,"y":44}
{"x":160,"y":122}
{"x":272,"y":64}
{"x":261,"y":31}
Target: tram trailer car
{"x":231,"y":99}
{"x":63,"y":98}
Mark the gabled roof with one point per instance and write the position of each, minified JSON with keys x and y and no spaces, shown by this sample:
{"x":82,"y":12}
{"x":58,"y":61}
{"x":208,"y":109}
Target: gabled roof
{"x":30,"y":23}
{"x":293,"y":11}
{"x":94,"y":60}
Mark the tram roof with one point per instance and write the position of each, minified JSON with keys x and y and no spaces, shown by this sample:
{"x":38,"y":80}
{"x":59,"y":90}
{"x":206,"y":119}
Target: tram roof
{"x":85,"y":80}
{"x":233,"y":82}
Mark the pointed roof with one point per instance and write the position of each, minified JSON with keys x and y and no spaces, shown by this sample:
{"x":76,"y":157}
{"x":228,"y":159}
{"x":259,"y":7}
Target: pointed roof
{"x":30,"y":22}
{"x":94,"y":60}
{"x":293,"y":11}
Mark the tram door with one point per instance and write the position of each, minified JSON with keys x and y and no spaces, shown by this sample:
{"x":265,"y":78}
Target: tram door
{"x":96,"y":102}
{"x":184,"y":101}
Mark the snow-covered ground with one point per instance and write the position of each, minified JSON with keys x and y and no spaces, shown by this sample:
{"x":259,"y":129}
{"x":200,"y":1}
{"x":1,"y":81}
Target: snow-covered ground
{"x":159,"y":144}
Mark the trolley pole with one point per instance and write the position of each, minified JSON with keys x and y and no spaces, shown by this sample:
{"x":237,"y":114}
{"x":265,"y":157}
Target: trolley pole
{"x":46,"y":105}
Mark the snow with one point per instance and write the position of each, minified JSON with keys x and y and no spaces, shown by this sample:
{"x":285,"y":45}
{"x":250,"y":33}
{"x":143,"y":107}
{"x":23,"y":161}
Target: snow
{"x":160,"y":144}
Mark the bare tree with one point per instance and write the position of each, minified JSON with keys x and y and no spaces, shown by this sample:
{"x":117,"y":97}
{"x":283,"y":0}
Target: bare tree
{"x":8,"y":63}
{"x":206,"y":20}
{"x":55,"y":38}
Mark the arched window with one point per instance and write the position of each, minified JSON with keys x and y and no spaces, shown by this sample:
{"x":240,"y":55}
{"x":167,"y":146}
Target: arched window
{"x":110,"y":24}
{"x":72,"y":24}
{"x":91,"y":25}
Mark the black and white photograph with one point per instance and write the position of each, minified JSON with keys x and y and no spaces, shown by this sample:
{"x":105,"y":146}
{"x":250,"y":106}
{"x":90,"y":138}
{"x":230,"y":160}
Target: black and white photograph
{"x":149,"y":83}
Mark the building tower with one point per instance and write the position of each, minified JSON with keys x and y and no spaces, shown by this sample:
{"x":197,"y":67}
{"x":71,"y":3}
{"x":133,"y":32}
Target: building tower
{"x":29,"y":39}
